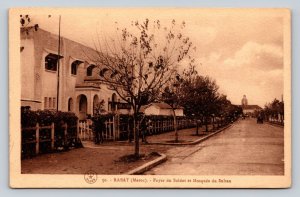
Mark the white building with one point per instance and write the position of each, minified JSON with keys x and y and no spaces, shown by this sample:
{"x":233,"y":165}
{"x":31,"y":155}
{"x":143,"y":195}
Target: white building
{"x":80,"y":87}
{"x":161,"y":109}
{"x":249,"y":109}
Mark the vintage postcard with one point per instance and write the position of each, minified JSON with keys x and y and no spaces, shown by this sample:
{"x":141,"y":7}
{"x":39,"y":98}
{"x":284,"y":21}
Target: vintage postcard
{"x":150,"y":98}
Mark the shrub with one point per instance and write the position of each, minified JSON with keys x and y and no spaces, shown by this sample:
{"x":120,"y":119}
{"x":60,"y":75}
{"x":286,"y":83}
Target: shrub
{"x":46,"y":117}
{"x":28,"y":118}
{"x":68,"y":117}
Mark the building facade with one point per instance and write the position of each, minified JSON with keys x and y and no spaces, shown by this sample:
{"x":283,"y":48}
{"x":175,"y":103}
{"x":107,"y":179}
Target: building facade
{"x":250,"y":110}
{"x":161,"y":109}
{"x":65,"y":79}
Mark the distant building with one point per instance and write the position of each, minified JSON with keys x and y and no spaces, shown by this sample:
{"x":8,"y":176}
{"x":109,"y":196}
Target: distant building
{"x":244,"y":101}
{"x":80,"y":87}
{"x":249,"y":109}
{"x":161,"y":109}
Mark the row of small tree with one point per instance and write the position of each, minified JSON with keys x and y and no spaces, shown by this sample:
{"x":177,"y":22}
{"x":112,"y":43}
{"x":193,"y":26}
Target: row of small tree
{"x":274,"y":111}
{"x":199,"y":97}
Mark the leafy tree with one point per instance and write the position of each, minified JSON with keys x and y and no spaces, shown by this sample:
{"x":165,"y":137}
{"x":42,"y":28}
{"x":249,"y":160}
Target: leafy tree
{"x":223,"y":107}
{"x":175,"y":91}
{"x":141,"y":61}
{"x":201,"y":98}
{"x":172,"y":95}
{"x":274,"y":110}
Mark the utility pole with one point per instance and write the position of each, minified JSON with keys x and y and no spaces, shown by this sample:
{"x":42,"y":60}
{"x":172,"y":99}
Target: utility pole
{"x":58,"y":65}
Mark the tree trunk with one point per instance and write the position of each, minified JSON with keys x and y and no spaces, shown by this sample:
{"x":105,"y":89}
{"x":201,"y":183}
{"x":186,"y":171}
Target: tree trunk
{"x":175,"y":126}
{"x":136,"y":137}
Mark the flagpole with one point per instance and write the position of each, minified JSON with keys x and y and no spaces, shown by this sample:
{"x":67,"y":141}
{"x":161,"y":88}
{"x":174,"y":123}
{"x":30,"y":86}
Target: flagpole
{"x":58,"y":65}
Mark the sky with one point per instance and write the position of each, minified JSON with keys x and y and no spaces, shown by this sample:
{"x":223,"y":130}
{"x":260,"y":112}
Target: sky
{"x":241,"y":49}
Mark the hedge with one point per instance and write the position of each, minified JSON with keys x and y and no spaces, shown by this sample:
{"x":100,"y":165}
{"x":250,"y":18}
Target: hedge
{"x":29,"y":118}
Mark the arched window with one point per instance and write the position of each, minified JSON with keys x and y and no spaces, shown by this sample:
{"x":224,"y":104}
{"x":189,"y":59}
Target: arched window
{"x":70,"y":104}
{"x":74,"y":67}
{"x":113,"y":102}
{"x":89,"y":70}
{"x":96,"y":107}
{"x":81,"y":106}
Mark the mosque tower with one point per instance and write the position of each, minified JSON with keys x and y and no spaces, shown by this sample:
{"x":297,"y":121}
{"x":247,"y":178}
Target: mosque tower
{"x":244,"y":101}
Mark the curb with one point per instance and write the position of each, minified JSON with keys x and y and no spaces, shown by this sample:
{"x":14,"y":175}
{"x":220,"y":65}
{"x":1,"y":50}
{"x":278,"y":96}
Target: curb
{"x":275,"y":125}
{"x":147,"y":166}
{"x":194,"y":142}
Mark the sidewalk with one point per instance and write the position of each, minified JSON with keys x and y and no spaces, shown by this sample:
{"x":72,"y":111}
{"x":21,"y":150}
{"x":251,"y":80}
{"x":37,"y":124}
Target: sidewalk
{"x":105,"y":158}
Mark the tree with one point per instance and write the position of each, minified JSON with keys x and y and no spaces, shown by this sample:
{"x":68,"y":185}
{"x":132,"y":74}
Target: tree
{"x":141,"y":61}
{"x":172,"y":95}
{"x":174,"y":92}
{"x":201,"y":98}
{"x":274,"y":109}
{"x":223,"y":107}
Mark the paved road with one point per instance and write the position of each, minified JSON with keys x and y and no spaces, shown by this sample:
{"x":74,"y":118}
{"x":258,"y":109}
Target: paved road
{"x":246,"y":148}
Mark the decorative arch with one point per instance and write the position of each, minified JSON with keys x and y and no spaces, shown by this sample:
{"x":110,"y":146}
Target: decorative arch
{"x":95,"y":102}
{"x":74,"y":66}
{"x":82,"y":106}
{"x":70,"y":105}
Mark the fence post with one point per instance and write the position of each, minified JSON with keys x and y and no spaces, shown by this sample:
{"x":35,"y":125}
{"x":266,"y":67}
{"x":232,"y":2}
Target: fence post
{"x":159,"y":127}
{"x":89,"y":130}
{"x":105,"y":131}
{"x":80,"y":133}
{"x":37,"y":138}
{"x":83,"y":129}
{"x":113,"y":128}
{"x":52,"y":136}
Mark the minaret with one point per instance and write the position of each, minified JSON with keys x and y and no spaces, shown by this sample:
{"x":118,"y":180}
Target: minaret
{"x":244,"y":101}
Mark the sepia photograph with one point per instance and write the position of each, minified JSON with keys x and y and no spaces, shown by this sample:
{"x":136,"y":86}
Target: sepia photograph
{"x":150,"y":98}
